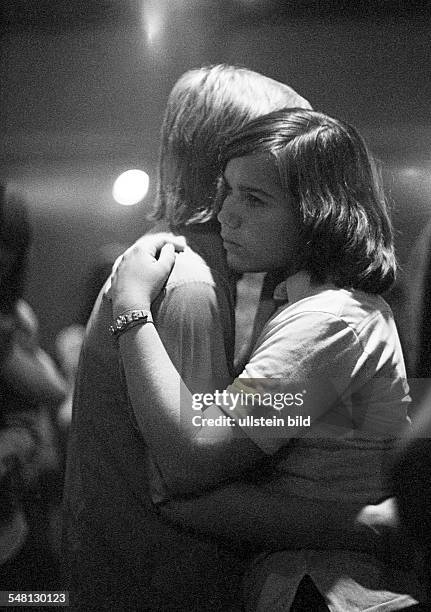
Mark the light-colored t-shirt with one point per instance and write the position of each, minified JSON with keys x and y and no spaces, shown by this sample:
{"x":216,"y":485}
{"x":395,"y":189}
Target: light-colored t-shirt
{"x":333,"y":360}
{"x":334,"y":355}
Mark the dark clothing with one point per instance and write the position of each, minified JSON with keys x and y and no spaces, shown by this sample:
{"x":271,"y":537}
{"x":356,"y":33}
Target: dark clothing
{"x":120,"y":554}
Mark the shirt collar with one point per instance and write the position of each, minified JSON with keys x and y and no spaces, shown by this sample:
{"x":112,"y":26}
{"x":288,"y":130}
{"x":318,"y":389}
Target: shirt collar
{"x":294,"y":288}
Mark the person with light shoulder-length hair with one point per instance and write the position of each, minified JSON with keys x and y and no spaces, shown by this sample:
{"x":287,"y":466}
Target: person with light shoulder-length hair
{"x":205,"y":107}
{"x":299,"y":192}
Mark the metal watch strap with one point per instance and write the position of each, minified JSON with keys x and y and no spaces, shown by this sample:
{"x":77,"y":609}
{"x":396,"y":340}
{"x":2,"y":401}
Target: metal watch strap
{"x":130,"y":319}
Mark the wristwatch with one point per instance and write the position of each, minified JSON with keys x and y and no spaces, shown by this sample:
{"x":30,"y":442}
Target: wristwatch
{"x":130,"y":319}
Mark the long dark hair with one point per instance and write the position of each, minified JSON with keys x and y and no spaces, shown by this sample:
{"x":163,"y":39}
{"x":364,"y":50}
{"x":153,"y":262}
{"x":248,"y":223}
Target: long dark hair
{"x":332,"y":181}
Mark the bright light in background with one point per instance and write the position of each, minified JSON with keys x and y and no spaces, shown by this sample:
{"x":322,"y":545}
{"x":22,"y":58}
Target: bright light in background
{"x":153,"y":26}
{"x":131,"y":187}
{"x":153,"y":19}
{"x":156,"y":15}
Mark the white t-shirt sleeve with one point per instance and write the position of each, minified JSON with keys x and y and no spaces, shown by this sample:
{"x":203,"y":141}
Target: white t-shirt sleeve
{"x":190,"y":323}
{"x":301,"y":365}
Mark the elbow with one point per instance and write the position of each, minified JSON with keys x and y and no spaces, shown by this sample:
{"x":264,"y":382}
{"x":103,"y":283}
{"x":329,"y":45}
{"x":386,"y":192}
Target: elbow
{"x":182,"y":481}
{"x":190,"y":472}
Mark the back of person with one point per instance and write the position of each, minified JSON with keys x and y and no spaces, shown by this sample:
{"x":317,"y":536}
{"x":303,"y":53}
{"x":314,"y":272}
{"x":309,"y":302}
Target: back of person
{"x":108,"y":509}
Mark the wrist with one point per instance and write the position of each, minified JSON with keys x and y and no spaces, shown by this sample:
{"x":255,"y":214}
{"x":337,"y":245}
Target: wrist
{"x":129,"y":319}
{"x":126,"y":308}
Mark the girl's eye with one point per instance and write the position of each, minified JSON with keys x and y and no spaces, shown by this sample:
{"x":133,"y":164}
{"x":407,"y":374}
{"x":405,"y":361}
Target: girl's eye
{"x":224,"y":189}
{"x":253,"y":200}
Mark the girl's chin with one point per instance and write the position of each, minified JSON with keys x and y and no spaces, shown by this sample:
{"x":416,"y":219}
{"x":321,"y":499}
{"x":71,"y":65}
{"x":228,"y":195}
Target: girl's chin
{"x":242,"y":263}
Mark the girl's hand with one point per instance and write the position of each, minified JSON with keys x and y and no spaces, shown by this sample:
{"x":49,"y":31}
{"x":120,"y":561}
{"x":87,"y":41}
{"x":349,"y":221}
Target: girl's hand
{"x":139,"y":275}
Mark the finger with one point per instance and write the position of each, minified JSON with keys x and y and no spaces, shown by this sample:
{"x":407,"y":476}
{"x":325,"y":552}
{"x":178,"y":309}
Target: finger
{"x":167,"y":257}
{"x":152,"y":243}
{"x":179,"y":243}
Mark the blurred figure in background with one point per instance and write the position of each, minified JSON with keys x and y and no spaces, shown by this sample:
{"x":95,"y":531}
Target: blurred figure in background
{"x":412,"y":481}
{"x":412,"y":470}
{"x":31,"y":388}
{"x":417,"y":306}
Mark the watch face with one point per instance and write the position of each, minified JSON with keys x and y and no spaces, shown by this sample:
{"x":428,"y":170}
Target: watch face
{"x":121,"y":321}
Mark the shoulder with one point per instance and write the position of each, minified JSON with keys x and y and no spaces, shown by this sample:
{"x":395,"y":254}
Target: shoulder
{"x":304,"y":331}
{"x":302,"y":343}
{"x":194,"y":285}
{"x":332,"y":325}
{"x":331,"y":308}
{"x":190,"y":268}
{"x":193,"y":302}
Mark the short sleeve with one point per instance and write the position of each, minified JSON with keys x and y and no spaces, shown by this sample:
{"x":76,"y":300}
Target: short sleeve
{"x":301,"y":365}
{"x":192,"y":320}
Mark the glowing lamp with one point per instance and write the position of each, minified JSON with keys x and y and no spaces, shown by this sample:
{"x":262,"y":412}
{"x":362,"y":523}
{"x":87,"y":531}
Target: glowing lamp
{"x":131,"y":187}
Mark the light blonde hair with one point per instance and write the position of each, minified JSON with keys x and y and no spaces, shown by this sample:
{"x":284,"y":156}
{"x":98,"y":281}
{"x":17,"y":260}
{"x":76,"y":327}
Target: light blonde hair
{"x":205,"y":108}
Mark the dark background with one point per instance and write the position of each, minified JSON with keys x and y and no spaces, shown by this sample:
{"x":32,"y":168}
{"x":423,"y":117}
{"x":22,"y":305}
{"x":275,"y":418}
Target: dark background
{"x":83,"y":87}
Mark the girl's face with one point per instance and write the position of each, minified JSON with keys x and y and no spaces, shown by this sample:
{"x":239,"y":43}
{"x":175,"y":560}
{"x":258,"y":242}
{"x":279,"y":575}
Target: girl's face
{"x":259,"y":228}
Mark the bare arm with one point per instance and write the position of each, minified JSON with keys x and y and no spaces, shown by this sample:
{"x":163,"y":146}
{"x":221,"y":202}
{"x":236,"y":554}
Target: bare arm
{"x":152,"y":376}
{"x":231,"y":512}
{"x":208,"y":443}
{"x":168,"y":425}
{"x":192,"y":318}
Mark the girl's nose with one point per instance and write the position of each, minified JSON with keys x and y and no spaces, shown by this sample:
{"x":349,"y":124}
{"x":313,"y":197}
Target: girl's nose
{"x":228,"y":217}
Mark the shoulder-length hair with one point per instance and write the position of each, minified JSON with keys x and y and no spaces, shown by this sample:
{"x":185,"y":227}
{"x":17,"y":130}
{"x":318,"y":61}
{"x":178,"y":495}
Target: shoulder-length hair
{"x":331,"y":179}
{"x":205,"y":107}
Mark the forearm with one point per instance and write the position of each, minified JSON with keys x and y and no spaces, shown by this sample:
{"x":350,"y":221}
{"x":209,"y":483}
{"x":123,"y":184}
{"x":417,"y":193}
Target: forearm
{"x":244,"y":514}
{"x":191,"y":457}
